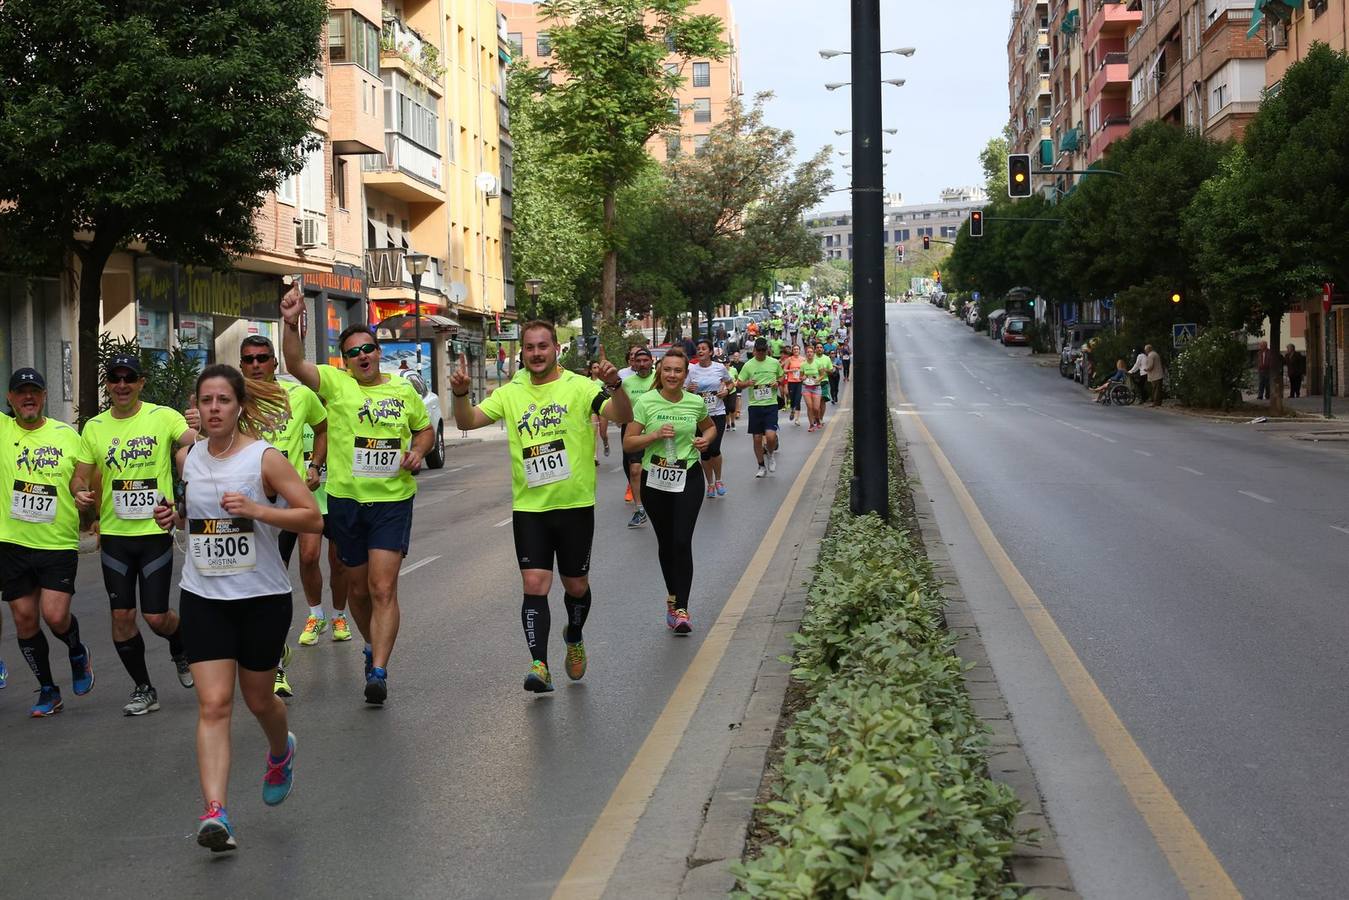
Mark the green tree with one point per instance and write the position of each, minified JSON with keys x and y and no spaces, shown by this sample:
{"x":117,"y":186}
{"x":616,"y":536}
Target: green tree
{"x":736,"y":207}
{"x":613,"y":94}
{"x":157,"y":122}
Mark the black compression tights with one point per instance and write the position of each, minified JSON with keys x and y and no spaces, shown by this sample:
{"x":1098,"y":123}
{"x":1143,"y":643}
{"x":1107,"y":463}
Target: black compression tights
{"x":673,"y":517}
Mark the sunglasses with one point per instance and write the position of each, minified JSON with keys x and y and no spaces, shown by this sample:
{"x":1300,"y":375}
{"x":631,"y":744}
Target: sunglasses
{"x":257,"y":358}
{"x":353,"y":352}
{"x":123,"y":379}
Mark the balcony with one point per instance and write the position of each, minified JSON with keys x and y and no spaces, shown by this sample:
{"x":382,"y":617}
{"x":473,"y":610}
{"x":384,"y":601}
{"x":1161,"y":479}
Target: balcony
{"x":357,"y":120}
{"x":404,"y":171}
{"x":1113,"y":72}
{"x":403,"y":48}
{"x":1111,"y":130}
{"x":1220,"y":19}
{"x":1111,"y":19}
{"x":1237,"y":109}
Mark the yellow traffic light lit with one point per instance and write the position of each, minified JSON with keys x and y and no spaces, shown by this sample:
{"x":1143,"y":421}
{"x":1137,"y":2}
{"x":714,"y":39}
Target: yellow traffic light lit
{"x":1175,"y":298}
{"x":1019,"y":177}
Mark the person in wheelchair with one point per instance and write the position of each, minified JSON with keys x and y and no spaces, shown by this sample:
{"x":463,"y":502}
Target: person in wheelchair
{"x":1120,"y":376}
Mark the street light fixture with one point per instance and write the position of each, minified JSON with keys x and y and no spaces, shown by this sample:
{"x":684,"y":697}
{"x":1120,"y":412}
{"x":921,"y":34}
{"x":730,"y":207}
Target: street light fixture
{"x":843,"y":131}
{"x":835,"y":85}
{"x":532,"y":285}
{"x":900,"y":51}
{"x":897,"y":82}
{"x":416,"y":263}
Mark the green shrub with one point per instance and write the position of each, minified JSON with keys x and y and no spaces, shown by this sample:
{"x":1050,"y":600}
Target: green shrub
{"x":1106,"y":347}
{"x":1211,"y":372}
{"x":1042,"y":338}
{"x":883,"y":789}
{"x":170,"y":379}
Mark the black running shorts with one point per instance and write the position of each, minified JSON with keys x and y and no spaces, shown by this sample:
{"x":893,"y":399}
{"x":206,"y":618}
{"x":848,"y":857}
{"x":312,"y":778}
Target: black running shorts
{"x":251,"y":631}
{"x":23,"y":570}
{"x":142,"y":561}
{"x":562,"y":533}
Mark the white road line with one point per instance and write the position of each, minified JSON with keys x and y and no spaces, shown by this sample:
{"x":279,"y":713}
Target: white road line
{"x":1188,"y":469}
{"x":1340,"y":528}
{"x":505,"y":521}
{"x":981,"y":404}
{"x":460,"y":468}
{"x":1142,"y":453}
{"x":418,"y":564}
{"x":943,"y":405}
{"x":1256,"y":497}
{"x":979,"y":414}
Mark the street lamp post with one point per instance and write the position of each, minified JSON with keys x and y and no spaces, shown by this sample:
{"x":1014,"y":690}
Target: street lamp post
{"x":416,"y":263}
{"x":532,"y":285}
{"x":870,"y":483}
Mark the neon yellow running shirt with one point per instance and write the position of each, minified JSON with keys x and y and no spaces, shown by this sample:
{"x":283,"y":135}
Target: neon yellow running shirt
{"x":369,"y":430}
{"x":35,"y":470}
{"x":134,"y":459}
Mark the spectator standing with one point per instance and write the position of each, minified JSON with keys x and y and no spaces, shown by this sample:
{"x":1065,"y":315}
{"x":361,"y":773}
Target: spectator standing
{"x":1139,"y":373}
{"x":1296,"y":365}
{"x":1264,"y":365}
{"x":1154,"y":372}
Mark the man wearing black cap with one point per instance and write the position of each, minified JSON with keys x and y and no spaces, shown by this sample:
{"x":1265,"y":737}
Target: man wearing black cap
{"x":131,"y":447}
{"x":40,"y":536}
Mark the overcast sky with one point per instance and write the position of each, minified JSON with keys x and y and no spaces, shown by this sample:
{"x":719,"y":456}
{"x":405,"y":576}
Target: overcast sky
{"x":955,"y":98}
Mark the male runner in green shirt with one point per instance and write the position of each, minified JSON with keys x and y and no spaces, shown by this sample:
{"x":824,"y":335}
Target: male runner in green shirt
{"x":761,"y":374}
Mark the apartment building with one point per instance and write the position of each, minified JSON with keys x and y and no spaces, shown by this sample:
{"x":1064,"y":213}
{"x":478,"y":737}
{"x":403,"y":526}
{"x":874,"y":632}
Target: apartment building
{"x":904,"y":225}
{"x":1067,"y":74}
{"x":1030,"y":67}
{"x":1108,"y":28}
{"x":708,"y":86}
{"x":1193,"y":63}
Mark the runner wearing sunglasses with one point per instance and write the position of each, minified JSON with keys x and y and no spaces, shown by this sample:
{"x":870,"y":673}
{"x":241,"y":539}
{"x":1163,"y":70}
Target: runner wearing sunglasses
{"x":378,"y":434}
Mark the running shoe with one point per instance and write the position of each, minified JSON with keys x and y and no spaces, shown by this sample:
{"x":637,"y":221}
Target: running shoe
{"x":538,"y":680}
{"x":670,"y":620}
{"x":712,"y":492}
{"x":214,"y":831}
{"x":721,"y":489}
{"x":606,"y":453}
{"x":761,"y":473}
{"x":281,"y":687}
{"x":638,"y":519}
{"x":184,"y":671}
{"x":82,"y":671}
{"x":796,"y":422}
{"x":4,"y":675}
{"x":144,"y":699}
{"x":48,"y":702}
{"x":681,"y":622}
{"x":369,"y":660}
{"x":627,"y":493}
{"x":576,"y":660}
{"x":772,"y":462}
{"x":376,"y":686}
{"x":313,"y":627}
{"x":280,"y":775}
{"x":341,"y":632}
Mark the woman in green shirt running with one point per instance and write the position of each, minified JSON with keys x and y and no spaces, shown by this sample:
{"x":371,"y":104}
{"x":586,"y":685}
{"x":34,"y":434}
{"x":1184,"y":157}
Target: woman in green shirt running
{"x":671,"y":428}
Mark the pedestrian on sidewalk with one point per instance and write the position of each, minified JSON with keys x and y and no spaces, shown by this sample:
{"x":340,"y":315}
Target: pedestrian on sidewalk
{"x":1296,"y":366}
{"x":1264,"y":365}
{"x":1155,"y":373}
{"x":1139,"y":373}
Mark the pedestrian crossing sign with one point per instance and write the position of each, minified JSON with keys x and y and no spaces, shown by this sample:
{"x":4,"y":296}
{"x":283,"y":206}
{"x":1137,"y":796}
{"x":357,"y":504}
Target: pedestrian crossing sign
{"x":1183,"y":333}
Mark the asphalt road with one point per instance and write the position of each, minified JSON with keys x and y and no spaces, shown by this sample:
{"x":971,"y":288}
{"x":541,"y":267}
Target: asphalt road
{"x":463,"y":785}
{"x":1198,"y":571}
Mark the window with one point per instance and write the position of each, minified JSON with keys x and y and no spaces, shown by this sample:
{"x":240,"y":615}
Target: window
{"x":671,"y":146}
{"x":702,"y":109}
{"x":670,"y":42}
{"x":410,"y":110}
{"x":702,"y":74}
{"x":353,"y":39}
{"x":312,"y":195}
{"x":340,"y":181}
{"x":542,"y":45}
{"x":699,"y":142}
{"x":285,"y":191}
{"x":516,"y":41}
{"x":672,"y":68}
{"x":674,"y":108}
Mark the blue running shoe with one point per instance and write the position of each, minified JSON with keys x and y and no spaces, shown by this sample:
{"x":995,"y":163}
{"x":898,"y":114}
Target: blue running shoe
{"x":82,"y":671}
{"x":369,"y":660}
{"x":280,"y":775}
{"x":215,"y":832}
{"x":4,"y":675}
{"x":48,"y":703}
{"x":375,"y":687}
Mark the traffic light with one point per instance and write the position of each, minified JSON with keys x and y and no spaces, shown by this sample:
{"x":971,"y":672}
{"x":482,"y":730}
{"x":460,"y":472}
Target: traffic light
{"x":592,"y":342}
{"x":1018,"y":175}
{"x":977,"y":223}
{"x":899,"y":252}
{"x":927,"y":242}
{"x":1175,"y":297}
{"x":1031,"y":303}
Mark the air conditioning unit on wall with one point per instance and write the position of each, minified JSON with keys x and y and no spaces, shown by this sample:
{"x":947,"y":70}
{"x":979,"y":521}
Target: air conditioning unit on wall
{"x":309,"y":232}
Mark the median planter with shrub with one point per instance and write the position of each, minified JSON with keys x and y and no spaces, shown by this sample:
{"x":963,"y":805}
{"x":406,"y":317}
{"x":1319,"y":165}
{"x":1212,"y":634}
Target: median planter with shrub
{"x":883,"y":788}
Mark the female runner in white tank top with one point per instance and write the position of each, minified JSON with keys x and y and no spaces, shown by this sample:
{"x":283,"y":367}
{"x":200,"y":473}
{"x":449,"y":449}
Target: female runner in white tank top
{"x":235,"y":590}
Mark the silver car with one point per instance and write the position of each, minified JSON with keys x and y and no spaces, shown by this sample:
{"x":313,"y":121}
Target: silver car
{"x":436,"y":458}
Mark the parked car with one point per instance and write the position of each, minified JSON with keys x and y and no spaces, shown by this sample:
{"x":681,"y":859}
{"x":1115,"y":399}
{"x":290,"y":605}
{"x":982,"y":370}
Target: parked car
{"x":436,"y":458}
{"x":972,"y":317}
{"x":1075,"y":336}
{"x":727,"y":330}
{"x":1016,"y":330}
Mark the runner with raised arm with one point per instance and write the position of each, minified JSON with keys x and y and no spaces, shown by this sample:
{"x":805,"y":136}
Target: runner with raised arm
{"x":378,"y":434}
{"x":552,"y":486}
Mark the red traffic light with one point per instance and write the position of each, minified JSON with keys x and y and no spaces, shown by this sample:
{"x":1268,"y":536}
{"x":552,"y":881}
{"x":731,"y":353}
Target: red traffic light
{"x":927,"y":242}
{"x":977,"y":223}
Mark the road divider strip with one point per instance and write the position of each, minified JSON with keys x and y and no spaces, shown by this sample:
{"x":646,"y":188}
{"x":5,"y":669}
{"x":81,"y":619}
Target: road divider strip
{"x":1197,"y":869}
{"x":588,"y":875}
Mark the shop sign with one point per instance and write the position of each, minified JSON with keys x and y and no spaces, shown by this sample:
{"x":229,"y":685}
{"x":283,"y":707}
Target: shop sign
{"x":351,"y":286}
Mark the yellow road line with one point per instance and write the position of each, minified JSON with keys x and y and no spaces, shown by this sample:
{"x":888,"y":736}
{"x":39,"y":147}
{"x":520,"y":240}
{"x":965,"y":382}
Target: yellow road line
{"x":594,"y":863}
{"x":1197,"y":869}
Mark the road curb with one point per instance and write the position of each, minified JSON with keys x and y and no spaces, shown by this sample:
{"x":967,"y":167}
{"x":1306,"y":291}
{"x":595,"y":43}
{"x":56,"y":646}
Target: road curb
{"x":1040,"y":867}
{"x":720,"y":841}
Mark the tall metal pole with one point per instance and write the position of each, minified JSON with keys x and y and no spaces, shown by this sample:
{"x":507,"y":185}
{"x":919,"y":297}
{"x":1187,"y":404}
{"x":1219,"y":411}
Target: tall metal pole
{"x":869,"y":491}
{"x":417,"y":317}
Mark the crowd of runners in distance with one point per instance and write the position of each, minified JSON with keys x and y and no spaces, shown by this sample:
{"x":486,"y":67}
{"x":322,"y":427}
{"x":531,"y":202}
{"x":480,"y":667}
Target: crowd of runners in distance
{"x":258,"y":466}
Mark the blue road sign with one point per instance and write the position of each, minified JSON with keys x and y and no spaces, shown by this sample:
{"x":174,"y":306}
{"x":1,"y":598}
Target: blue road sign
{"x":1183,"y":333}
{"x":974,"y":295}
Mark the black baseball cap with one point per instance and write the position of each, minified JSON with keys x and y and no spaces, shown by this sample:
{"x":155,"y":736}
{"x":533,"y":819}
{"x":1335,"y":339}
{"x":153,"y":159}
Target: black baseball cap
{"x":640,"y":351}
{"x":125,"y":361}
{"x":22,"y":377}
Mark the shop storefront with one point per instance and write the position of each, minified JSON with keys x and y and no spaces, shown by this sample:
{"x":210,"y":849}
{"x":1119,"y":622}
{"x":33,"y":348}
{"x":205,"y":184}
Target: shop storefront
{"x":337,"y":299}
{"x":203,"y":312}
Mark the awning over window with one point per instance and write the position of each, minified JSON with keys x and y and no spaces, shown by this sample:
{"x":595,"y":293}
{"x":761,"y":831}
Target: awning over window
{"x":1071,"y":22}
{"x":1279,"y":10}
{"x":1046,"y":153}
{"x":1071,"y":141}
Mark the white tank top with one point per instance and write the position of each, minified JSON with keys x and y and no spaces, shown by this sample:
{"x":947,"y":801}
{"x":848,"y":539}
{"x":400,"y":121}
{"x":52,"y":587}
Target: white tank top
{"x":229,"y":558}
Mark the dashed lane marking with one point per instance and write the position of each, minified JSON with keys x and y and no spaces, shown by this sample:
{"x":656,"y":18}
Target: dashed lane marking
{"x":1341,"y":529}
{"x":505,"y":521}
{"x":1254,"y":496}
{"x":1142,"y":452}
{"x":1188,"y":469}
{"x":418,"y":564}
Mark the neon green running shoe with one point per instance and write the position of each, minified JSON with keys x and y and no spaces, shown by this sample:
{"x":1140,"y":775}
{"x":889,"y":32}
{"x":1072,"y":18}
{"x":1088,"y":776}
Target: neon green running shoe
{"x":576,"y":660}
{"x":340,"y":630}
{"x":538,"y":680}
{"x":313,"y":627}
{"x":282,"y":687}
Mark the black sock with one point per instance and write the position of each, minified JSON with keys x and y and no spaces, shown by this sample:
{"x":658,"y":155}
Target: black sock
{"x":36,"y":653}
{"x":72,"y":637}
{"x":132,"y":653}
{"x":175,"y":641}
{"x":578,"y":608}
{"x":535,"y":619}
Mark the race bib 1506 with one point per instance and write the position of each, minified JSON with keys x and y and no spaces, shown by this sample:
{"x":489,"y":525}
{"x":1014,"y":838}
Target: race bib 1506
{"x":222,"y":546}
